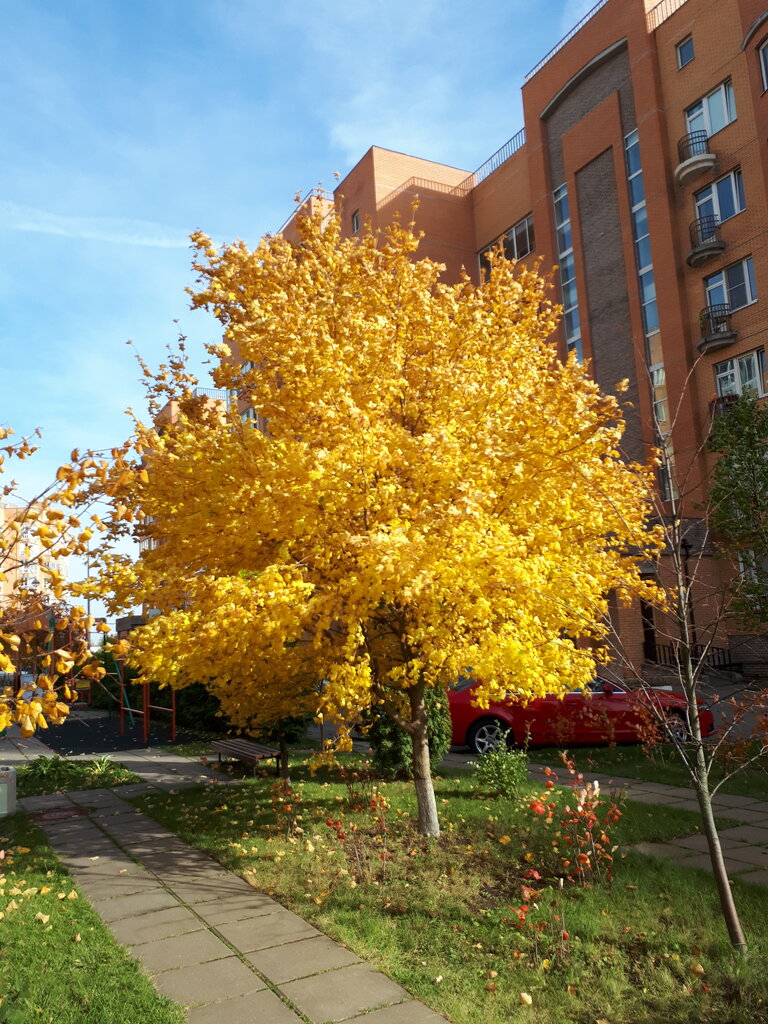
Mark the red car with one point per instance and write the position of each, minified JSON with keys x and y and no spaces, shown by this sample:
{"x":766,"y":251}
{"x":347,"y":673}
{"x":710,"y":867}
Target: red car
{"x":609,"y":714}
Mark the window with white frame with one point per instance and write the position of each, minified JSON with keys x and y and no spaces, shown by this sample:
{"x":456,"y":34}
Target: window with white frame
{"x":740,"y":374}
{"x":733,"y":286}
{"x":752,"y":567}
{"x":685,"y":52}
{"x":722,"y":199}
{"x":762,"y":54}
{"x":355,"y":222}
{"x":518,"y":242}
{"x":713,"y":111}
{"x":571,"y":320}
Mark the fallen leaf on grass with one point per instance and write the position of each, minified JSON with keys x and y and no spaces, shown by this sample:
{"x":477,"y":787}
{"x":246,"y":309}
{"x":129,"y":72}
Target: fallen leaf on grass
{"x":43,"y":918}
{"x":525,"y":999}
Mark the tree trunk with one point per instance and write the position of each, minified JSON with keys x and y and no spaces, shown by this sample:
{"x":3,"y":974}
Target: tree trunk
{"x":283,"y":746}
{"x":428,"y":823}
{"x":690,"y":676}
{"x":704,"y":797}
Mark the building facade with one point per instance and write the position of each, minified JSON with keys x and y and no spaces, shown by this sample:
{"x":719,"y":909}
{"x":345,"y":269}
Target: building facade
{"x":641,"y":173}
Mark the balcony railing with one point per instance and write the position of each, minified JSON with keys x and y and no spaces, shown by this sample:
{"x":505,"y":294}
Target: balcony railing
{"x":716,"y":330}
{"x":722,"y":405}
{"x":692,"y":144}
{"x":217,"y":394}
{"x":705,"y":240}
{"x":695,"y":156}
{"x":714,"y":657}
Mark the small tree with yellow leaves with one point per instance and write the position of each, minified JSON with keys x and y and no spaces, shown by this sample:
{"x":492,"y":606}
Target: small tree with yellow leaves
{"x":37,"y":631}
{"x":429,"y":490}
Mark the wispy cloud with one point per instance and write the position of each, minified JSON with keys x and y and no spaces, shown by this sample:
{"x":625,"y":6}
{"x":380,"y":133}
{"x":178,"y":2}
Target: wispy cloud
{"x":114,"y":230}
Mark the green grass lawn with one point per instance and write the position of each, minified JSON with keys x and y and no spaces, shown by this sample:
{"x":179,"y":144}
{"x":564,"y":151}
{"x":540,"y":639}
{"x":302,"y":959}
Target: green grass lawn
{"x":58,"y":962}
{"x":446,"y":917}
{"x":659,"y":764}
{"x":45,"y":775}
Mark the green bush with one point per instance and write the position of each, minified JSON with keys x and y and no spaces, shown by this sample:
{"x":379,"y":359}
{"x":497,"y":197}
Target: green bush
{"x":392,"y":746}
{"x":501,"y":772}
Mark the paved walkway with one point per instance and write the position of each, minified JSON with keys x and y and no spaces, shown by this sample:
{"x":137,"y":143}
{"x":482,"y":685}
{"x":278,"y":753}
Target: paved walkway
{"x":214,"y":944}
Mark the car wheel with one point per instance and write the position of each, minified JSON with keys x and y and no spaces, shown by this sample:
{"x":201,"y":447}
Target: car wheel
{"x":677,"y":728}
{"x":487,"y":734}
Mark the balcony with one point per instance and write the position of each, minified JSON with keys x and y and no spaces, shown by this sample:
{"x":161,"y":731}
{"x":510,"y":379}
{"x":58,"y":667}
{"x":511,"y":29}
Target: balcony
{"x":722,"y":405}
{"x":705,"y":241}
{"x":695,"y":157}
{"x":716,"y":331}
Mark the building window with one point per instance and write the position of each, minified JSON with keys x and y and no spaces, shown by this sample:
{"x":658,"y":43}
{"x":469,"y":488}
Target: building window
{"x":567,"y":272}
{"x":518,"y":242}
{"x":722,"y":199}
{"x":762,"y":54}
{"x":714,"y":111}
{"x":740,"y":374}
{"x":752,"y":567}
{"x":355,"y":222}
{"x":733,"y":286}
{"x":685,"y":52}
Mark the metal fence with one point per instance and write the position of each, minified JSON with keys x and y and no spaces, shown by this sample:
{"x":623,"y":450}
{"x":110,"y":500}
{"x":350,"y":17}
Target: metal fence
{"x":566,"y":39}
{"x":659,"y":14}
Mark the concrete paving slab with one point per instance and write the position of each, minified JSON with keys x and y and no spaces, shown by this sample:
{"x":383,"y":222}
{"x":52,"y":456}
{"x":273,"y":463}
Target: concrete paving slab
{"x":662,"y":850}
{"x":267,"y":931}
{"x":237,"y":908}
{"x":42,"y":803}
{"x":698,"y":843}
{"x":702,"y":861}
{"x":118,"y":907}
{"x":661,"y":787}
{"x":209,"y":983}
{"x":133,"y":789}
{"x":101,"y":888}
{"x":301,"y":959}
{"x":693,"y":805}
{"x":728,"y":800}
{"x":747,"y":833}
{"x":180,"y":951}
{"x":256,"y":1008}
{"x":747,"y":815}
{"x":198,"y":890}
{"x":412,"y":1012}
{"x":95,"y":798}
{"x":755,"y":878}
{"x":642,"y":796}
{"x":109,"y":866}
{"x":344,"y":993}
{"x":755,"y":855}
{"x":159,"y":924}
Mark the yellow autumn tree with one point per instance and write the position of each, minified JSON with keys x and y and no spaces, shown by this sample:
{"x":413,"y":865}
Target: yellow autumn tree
{"x":426,"y":488}
{"x":35,"y":625}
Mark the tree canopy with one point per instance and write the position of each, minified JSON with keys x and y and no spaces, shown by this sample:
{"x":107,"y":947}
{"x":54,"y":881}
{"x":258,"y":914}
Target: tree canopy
{"x":739,"y":502}
{"x":427,"y":488}
{"x":38,"y":632}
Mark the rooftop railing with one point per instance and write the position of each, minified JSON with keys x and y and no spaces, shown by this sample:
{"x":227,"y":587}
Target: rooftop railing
{"x":566,"y":39}
{"x":659,"y":14}
{"x":510,"y":146}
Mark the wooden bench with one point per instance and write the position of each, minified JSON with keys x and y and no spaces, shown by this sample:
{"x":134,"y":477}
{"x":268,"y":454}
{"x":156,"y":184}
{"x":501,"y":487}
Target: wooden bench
{"x":247,"y":751}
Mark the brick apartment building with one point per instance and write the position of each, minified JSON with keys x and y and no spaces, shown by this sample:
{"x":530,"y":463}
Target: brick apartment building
{"x":641,"y":172}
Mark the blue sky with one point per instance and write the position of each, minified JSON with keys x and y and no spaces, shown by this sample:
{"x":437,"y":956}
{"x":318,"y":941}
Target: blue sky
{"x":128,"y":125}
